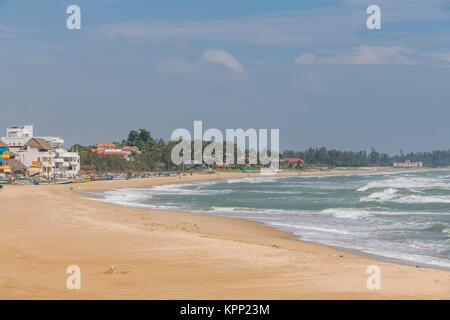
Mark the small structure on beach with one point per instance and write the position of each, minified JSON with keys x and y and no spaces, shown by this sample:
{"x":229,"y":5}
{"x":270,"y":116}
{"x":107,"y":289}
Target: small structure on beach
{"x":17,"y":167}
{"x":4,"y":157}
{"x":408,"y":164}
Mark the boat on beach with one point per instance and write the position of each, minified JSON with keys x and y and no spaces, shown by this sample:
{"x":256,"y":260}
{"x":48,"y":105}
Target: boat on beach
{"x":81,"y":181}
{"x":64,"y":182}
{"x":102,"y":179}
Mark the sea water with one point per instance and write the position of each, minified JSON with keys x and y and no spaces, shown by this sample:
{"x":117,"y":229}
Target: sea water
{"x":404,"y":216}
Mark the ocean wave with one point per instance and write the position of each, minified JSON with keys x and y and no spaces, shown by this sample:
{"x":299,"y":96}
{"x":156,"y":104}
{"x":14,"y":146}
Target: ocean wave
{"x":314,"y":228}
{"x":393,"y":195}
{"x":349,"y":213}
{"x":263,"y":211}
{"x":411,"y":199}
{"x":385,"y":195}
{"x":254,"y":180}
{"x":406,"y":183}
{"x":438,"y":227}
{"x":185,"y":189}
{"x":423,"y":199}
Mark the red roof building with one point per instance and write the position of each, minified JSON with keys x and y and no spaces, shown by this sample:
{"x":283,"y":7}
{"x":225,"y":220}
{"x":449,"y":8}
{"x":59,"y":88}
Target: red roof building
{"x":105,"y":145}
{"x":293,"y":160}
{"x":133,"y":148}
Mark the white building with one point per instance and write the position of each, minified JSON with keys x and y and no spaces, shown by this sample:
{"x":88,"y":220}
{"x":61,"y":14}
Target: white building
{"x":408,"y":164}
{"x":18,"y":136}
{"x":45,"y":155}
{"x":65,"y":164}
{"x":37,"y":155}
{"x":55,"y":142}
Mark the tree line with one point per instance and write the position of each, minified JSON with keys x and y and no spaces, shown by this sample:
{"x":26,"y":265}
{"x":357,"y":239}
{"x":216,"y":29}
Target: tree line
{"x":155,"y":155}
{"x":337,"y":158}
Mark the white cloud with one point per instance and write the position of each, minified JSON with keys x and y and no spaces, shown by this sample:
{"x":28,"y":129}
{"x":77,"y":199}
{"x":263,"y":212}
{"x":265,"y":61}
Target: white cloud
{"x":224,"y":58}
{"x":376,"y":55}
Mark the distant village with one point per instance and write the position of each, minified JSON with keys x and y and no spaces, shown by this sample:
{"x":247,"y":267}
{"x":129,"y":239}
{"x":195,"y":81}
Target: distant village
{"x":23,"y":153}
{"x":26,"y":154}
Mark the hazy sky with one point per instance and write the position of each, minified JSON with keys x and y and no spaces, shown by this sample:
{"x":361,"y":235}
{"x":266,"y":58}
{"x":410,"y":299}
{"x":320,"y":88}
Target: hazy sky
{"x":310,"y":68}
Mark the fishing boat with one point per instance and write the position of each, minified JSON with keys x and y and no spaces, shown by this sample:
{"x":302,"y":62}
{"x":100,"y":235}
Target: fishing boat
{"x":39,"y":182}
{"x":121,"y":178}
{"x":81,"y":181}
{"x":102,"y":179}
{"x":64,"y":182}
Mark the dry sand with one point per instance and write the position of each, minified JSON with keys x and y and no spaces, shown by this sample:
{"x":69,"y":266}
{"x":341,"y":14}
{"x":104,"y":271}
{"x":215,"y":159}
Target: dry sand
{"x":134,"y":253}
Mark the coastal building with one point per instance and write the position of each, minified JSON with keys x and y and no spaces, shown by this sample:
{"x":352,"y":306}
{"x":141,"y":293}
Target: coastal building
{"x":108,"y":148}
{"x":41,"y":155}
{"x":105,"y":146}
{"x":130,"y":151}
{"x":293,"y":162}
{"x":4,"y":157}
{"x":65,"y":164}
{"x":17,"y":137}
{"x":408,"y":164}
{"x":55,"y":142}
{"x":37,"y":155}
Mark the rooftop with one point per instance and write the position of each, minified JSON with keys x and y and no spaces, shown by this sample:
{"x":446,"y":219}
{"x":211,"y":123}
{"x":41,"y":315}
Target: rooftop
{"x":38,"y":143}
{"x":105,"y":144}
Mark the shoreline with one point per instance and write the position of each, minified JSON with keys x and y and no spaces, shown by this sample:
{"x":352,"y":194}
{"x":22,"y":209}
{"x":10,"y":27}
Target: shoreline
{"x":296,"y":237}
{"x":159,"y":254}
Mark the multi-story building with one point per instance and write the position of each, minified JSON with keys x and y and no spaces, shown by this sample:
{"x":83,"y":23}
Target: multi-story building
{"x":16,"y":137}
{"x":42,"y":155}
{"x":37,"y":155}
{"x":65,"y":164}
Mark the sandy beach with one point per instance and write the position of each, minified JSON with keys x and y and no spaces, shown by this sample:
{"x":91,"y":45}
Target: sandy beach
{"x":135,"y":253}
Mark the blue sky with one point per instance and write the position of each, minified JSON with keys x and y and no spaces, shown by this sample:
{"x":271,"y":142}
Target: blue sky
{"x":310,"y":68}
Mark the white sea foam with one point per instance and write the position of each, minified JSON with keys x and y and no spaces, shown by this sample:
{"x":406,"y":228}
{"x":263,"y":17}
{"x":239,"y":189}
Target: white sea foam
{"x":349,"y":213}
{"x":391,"y":196}
{"x":321,"y":229}
{"x":185,"y":189}
{"x":385,"y":195}
{"x":406,"y":183}
{"x":423,"y":199}
{"x":253,"y":180}
{"x":323,"y":209}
